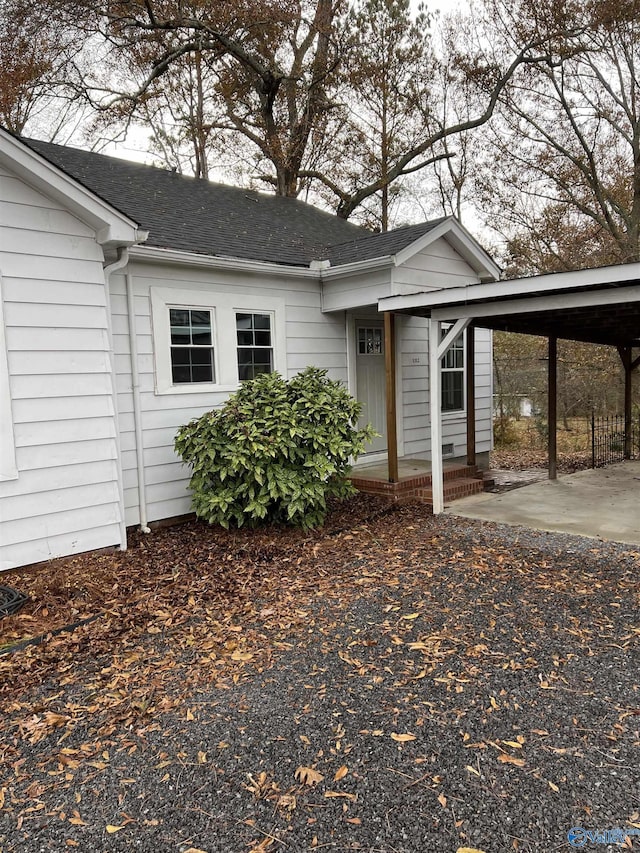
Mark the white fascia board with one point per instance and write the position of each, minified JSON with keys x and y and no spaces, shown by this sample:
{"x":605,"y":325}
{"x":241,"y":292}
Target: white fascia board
{"x":546,"y":302}
{"x":345,"y":270}
{"x":462,"y":242}
{"x":112,"y":227}
{"x":156,"y":255}
{"x":516,"y":288}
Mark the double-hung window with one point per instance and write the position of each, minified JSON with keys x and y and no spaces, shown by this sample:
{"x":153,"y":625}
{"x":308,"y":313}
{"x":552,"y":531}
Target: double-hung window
{"x":452,"y":372}
{"x":208,"y":341}
{"x":191,"y":345}
{"x":255,"y":345}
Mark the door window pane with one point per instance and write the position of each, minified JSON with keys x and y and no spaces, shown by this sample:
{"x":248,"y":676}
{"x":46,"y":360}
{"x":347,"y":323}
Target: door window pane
{"x":370,"y":341}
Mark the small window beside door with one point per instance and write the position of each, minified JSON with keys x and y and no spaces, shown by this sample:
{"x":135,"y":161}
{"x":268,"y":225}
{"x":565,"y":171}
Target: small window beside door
{"x":370,"y":341}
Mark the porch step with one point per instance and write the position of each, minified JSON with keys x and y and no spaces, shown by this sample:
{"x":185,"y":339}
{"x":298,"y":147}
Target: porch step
{"x":460,"y":481}
{"x":463,"y":487}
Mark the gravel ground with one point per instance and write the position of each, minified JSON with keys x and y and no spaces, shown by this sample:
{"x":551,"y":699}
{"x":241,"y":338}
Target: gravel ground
{"x":415,"y":684}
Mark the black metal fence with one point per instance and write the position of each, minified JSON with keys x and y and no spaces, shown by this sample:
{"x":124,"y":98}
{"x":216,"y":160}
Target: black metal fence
{"x":610,"y":442}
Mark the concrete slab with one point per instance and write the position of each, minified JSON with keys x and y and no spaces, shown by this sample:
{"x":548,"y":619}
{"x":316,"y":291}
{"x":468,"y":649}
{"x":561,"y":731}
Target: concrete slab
{"x":602,"y":503}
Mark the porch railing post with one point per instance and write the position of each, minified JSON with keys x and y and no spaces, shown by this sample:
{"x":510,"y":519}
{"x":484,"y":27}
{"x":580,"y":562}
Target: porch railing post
{"x":471,"y":396}
{"x":552,"y":419}
{"x":390,"y":386}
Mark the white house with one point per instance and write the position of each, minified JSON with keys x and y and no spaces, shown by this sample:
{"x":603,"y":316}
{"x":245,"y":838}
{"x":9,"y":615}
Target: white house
{"x":133,"y":299}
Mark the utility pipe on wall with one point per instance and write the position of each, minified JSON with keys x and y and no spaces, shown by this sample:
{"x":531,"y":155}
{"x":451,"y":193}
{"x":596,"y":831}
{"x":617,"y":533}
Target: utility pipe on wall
{"x":137,"y":407}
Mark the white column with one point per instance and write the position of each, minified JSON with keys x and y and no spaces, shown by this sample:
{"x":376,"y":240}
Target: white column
{"x":435,"y":396}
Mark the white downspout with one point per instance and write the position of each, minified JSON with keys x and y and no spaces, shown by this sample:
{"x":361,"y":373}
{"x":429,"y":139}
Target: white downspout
{"x":137,"y":408}
{"x":109,"y":269}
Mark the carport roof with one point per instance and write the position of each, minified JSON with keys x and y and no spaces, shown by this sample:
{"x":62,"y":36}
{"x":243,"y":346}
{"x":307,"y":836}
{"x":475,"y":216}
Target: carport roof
{"x":599,"y":306}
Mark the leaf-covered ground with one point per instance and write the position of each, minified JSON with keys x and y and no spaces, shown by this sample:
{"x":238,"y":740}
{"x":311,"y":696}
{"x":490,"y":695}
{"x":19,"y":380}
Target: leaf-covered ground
{"x":395,"y":682}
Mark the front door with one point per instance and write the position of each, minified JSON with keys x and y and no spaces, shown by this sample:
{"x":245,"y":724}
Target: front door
{"x":370,"y":381}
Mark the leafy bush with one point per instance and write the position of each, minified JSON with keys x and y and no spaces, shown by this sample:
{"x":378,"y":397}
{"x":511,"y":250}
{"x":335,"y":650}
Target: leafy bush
{"x":275,"y":451}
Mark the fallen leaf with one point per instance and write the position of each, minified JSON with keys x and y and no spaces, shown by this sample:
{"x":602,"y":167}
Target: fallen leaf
{"x":341,"y":773}
{"x":553,"y":787}
{"x":354,"y":820}
{"x":111,"y":828}
{"x":410,"y":616}
{"x":402,"y":738}
{"x":469,"y":850}
{"x":442,"y":800}
{"x":242,"y":656}
{"x":308,"y":776}
{"x":509,"y":759}
{"x":472,"y":769}
{"x":340,"y":794}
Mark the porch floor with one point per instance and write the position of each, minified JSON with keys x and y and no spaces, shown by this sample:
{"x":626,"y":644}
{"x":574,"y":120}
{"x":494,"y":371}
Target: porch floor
{"x":407,"y":468}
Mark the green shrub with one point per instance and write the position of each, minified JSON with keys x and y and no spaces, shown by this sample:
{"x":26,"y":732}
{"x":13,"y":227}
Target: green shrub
{"x":275,"y":451}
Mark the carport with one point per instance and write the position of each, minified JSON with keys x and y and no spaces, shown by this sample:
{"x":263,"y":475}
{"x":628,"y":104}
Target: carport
{"x":599,"y":306}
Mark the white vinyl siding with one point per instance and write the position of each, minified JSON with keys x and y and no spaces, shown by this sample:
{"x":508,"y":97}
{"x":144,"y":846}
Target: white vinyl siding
{"x":437,"y":266}
{"x":304,"y":337}
{"x":65,"y":497}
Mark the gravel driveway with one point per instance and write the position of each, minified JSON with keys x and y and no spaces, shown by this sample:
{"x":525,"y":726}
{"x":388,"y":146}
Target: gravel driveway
{"x":409,"y":684}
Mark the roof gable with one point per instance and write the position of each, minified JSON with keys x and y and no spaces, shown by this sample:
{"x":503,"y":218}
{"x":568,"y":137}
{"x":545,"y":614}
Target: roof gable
{"x":111,"y":226}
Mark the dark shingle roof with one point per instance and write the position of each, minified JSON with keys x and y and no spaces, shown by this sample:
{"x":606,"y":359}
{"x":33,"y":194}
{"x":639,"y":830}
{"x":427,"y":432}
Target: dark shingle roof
{"x":368,"y":246}
{"x":192,"y":215}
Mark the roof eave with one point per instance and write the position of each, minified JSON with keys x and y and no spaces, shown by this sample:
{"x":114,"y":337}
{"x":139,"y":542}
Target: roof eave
{"x":178,"y":257}
{"x":112,"y":227}
{"x":355,"y":267}
{"x":519,"y":288}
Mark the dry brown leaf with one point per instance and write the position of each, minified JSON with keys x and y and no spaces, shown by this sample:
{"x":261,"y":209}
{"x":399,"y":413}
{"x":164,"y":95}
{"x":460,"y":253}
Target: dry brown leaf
{"x":442,"y":800}
{"x":553,"y":787}
{"x":354,"y":820}
{"x":469,"y":850}
{"x":402,"y":738}
{"x":341,"y":773}
{"x":509,"y":759}
{"x":472,"y":769}
{"x":241,"y":656}
{"x":308,"y":776}
{"x":111,"y":828}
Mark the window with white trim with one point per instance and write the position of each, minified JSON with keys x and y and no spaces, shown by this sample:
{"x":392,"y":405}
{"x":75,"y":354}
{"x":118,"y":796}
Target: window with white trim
{"x":255,"y":350}
{"x":192,"y":351}
{"x":452,"y":373}
{"x":207,"y":341}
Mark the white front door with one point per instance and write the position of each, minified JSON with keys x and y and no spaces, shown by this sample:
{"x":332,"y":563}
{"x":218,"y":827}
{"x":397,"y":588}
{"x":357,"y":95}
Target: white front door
{"x":370,"y":380}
